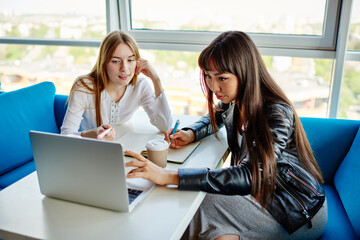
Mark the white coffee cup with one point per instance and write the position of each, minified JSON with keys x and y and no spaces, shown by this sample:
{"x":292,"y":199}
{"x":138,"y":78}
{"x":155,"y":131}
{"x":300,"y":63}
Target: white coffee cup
{"x":157,"y":151}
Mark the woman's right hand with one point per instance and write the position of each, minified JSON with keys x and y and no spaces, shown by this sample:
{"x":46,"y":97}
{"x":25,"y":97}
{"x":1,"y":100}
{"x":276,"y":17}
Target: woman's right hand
{"x":95,"y":132}
{"x":180,"y":138}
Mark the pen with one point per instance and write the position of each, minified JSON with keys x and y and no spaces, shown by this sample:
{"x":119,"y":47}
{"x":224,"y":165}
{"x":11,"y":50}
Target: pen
{"x":175,"y":128}
{"x":101,"y":135}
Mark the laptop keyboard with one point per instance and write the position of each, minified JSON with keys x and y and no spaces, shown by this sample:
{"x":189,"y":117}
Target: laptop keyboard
{"x":133,"y":193}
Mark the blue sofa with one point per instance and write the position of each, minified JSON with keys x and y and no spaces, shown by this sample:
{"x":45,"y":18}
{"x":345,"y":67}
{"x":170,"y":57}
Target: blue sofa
{"x":32,"y":108}
{"x":335,"y":142}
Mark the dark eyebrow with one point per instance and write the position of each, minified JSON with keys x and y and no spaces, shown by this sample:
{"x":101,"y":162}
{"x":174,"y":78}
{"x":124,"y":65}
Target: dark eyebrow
{"x":216,"y":74}
{"x":119,"y":58}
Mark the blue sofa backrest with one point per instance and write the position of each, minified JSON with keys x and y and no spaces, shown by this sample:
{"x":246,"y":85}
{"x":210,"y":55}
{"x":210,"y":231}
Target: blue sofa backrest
{"x":347,"y":184}
{"x":26,"y":109}
{"x":330,"y":140}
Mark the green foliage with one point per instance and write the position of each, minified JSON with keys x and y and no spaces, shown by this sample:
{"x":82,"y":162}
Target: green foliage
{"x":350,"y":90}
{"x":14,"y":31}
{"x":346,"y":100}
{"x":15,"y":52}
{"x":47,"y":51}
{"x":57,"y":32}
{"x":354,"y":42}
{"x":81,"y":54}
{"x":91,"y":34}
{"x":268,"y":60}
{"x":39,"y":31}
{"x":173,"y":57}
{"x":352,"y":80}
{"x":323,"y":69}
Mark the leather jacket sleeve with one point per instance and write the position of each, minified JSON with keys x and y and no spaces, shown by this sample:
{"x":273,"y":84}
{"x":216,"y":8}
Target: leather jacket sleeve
{"x":228,"y":181}
{"x":202,"y":128}
{"x":235,"y":180}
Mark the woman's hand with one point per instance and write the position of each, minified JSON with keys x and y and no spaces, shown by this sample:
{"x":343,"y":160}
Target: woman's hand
{"x":180,"y":138}
{"x":94,"y":133}
{"x":110,"y":136}
{"x":143,"y":66}
{"x":144,"y":168}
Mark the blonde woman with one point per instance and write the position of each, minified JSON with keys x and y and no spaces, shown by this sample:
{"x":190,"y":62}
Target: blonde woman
{"x":113,"y":91}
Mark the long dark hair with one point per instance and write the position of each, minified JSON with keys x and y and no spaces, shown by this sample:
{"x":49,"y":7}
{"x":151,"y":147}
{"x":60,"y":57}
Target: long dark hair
{"x":98,"y":76}
{"x":234,"y":52}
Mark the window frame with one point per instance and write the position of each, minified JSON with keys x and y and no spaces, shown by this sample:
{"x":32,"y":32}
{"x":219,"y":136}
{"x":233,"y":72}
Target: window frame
{"x":195,"y":41}
{"x":331,"y":45}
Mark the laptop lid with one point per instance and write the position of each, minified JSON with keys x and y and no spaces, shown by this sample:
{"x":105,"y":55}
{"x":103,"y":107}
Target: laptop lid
{"x":84,"y":170}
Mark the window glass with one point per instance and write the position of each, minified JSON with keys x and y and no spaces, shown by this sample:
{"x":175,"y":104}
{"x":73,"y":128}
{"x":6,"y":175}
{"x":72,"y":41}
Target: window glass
{"x":306,"y":81}
{"x":64,"y":19}
{"x":349,"y":106}
{"x":260,"y":16}
{"x":354,"y":31}
{"x":25,"y":65}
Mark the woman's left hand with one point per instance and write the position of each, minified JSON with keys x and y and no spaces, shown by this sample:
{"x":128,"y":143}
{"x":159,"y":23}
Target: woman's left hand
{"x":143,"y":66}
{"x":150,"y":171}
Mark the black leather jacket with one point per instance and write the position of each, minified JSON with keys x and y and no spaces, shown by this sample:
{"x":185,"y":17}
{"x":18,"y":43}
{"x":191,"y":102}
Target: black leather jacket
{"x":298,"y":196}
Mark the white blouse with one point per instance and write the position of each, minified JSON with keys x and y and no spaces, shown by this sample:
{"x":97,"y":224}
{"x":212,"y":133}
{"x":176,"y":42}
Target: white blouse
{"x":80,"y":114}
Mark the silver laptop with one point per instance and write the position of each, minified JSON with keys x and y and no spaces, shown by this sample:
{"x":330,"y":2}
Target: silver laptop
{"x":86,"y":171}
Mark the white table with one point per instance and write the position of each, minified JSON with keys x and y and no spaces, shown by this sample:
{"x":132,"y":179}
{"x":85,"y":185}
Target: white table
{"x":27,"y":214}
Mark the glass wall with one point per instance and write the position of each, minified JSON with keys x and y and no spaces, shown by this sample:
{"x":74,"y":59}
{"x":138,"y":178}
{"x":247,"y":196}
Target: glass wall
{"x":64,"y":19}
{"x":354,"y":31}
{"x":58,"y":41}
{"x":204,"y":15}
{"x":25,"y":65}
{"x":349,"y":105}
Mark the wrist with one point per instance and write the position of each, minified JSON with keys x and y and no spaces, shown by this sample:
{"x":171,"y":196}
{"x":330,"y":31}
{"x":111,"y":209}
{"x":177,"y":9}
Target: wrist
{"x":191,"y":134}
{"x":173,"y":178}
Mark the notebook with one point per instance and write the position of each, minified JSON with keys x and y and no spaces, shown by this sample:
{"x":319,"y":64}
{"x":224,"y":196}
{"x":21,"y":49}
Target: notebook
{"x":136,"y":142}
{"x":86,"y":171}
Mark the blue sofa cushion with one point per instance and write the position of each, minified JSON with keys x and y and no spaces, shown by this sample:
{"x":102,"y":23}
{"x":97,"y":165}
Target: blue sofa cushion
{"x":338,"y":225}
{"x":26,"y":109}
{"x":10,"y":177}
{"x":330,"y":140}
{"x":60,"y":106}
{"x":348,"y":185}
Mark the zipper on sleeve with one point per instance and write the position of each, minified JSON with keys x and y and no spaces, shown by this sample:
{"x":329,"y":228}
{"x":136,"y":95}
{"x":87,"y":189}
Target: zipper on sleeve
{"x":304,"y":183}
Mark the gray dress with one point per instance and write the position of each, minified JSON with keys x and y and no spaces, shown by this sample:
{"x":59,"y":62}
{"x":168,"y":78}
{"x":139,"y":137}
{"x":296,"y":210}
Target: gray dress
{"x":219,"y":215}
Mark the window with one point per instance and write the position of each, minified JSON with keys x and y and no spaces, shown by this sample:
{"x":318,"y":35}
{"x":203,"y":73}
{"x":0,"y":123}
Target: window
{"x":349,"y":106}
{"x":53,"y":19}
{"x":191,"y":25}
{"x":203,"y":15}
{"x":306,"y":81}
{"x":25,"y":65}
{"x":354,"y":32}
{"x":302,"y":43}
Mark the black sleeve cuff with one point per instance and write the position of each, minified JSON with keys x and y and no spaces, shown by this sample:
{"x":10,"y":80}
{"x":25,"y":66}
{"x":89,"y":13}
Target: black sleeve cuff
{"x":192,"y":179}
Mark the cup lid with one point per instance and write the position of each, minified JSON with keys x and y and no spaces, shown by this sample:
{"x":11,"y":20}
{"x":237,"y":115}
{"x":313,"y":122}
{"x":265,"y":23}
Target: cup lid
{"x":157,"y":145}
